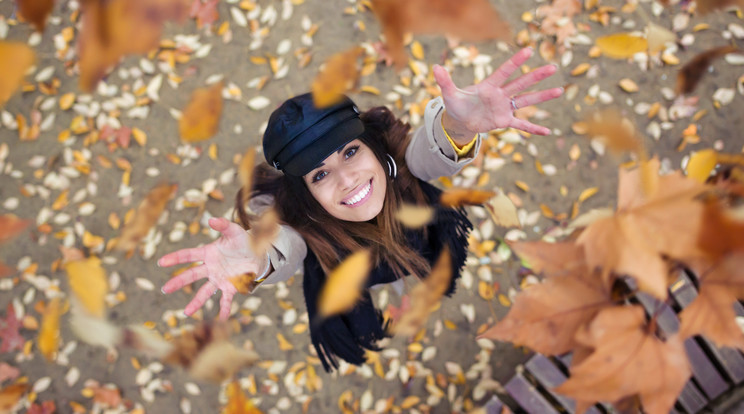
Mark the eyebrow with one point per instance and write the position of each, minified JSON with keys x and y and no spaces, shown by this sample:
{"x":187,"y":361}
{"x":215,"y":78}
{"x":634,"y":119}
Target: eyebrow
{"x":337,"y":152}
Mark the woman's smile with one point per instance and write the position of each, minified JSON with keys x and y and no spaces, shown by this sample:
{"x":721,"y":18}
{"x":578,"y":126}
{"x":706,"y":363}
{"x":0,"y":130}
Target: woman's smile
{"x":359,"y":197}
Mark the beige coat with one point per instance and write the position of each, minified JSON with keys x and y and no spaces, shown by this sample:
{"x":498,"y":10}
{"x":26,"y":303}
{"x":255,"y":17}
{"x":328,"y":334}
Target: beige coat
{"x":428,"y":156}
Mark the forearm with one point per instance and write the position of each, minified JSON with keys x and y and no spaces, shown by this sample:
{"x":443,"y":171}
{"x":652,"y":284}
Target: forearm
{"x":457,"y":131}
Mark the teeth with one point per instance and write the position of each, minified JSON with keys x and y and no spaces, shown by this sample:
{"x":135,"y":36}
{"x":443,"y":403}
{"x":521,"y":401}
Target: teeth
{"x":359,"y":196}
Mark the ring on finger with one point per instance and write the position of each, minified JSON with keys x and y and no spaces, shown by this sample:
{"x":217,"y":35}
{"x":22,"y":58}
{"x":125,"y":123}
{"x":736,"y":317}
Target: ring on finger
{"x":514,"y":104}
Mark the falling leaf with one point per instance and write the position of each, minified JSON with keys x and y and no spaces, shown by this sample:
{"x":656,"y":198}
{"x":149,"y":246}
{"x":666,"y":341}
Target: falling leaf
{"x":11,"y":226}
{"x":413,"y":216}
{"x":344,"y":285}
{"x":701,"y":164}
{"x":245,"y":173}
{"x":49,"y":332}
{"x":116,"y":28}
{"x":502,"y":210}
{"x":12,"y":340}
{"x":457,"y":197}
{"x":264,"y":231}
{"x":340,"y":75}
{"x":628,"y":359}
{"x":245,"y":283}
{"x":237,"y":402}
{"x":425,"y":296}
{"x":468,"y":20}
{"x":145,"y":217}
{"x":658,"y":37}
{"x":691,"y":73}
{"x":621,"y":45}
{"x":35,"y":12}
{"x":89,"y":284}
{"x":201,"y":117}
{"x":15,"y":59}
{"x":613,"y":130}
{"x":10,"y":395}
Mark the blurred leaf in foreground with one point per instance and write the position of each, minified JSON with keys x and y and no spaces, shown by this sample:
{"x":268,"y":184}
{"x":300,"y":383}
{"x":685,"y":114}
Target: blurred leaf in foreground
{"x":200,"y":120}
{"x":339,"y":76}
{"x":15,"y":59}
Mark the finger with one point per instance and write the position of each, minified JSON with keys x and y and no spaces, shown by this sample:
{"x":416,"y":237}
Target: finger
{"x":202,"y":295}
{"x":194,"y":254}
{"x":226,"y":304}
{"x":187,"y":277}
{"x":534,"y":98}
{"x":528,"y":79}
{"x":444,"y":80}
{"x":509,"y":67}
{"x":527,"y":126}
{"x":231,"y":230}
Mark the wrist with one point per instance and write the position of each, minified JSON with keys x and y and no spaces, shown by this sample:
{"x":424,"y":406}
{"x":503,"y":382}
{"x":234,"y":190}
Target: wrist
{"x":456,"y":130}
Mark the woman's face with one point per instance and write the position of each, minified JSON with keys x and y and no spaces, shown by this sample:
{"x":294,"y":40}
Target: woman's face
{"x":350,"y":184}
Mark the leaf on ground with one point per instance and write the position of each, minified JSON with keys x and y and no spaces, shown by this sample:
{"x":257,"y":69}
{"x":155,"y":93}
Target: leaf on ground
{"x":264,"y":231}
{"x":691,"y":73}
{"x":10,"y":395}
{"x":701,"y":164}
{"x":89,"y":284}
{"x":8,"y":372}
{"x":457,"y":197}
{"x":113,"y":29}
{"x":344,"y":285}
{"x":237,"y":401}
{"x":46,"y":407}
{"x":628,"y":360}
{"x":146,"y":216}
{"x":413,"y":216}
{"x":35,"y":12}
{"x":502,"y":210}
{"x":614,"y":131}
{"x":646,"y":229}
{"x":621,"y":45}
{"x":6,"y":270}
{"x":49,"y":331}
{"x":15,"y":60}
{"x":558,"y":19}
{"x":205,"y":12}
{"x":12,"y":340}
{"x":469,"y":20}
{"x":425,"y":296}
{"x":11,"y":226}
{"x":201,"y":117}
{"x":546,"y":316}
{"x":106,"y":396}
{"x":340,"y":75}
{"x":707,"y":6}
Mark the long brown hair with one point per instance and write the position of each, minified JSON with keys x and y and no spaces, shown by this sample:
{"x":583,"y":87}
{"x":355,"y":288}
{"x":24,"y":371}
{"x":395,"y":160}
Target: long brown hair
{"x":332,"y":239}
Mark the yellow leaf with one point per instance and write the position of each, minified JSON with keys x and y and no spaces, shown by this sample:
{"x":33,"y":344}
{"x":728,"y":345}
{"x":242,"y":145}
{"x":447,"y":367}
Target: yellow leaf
{"x":503,"y":211}
{"x":546,"y":211}
{"x":66,"y":101}
{"x":16,"y":58}
{"x":416,"y":347}
{"x":139,"y":136}
{"x":504,"y":301}
{"x":344,"y":284}
{"x":586,"y":194}
{"x":49,"y":332}
{"x":701,"y":164}
{"x":284,"y":344}
{"x":621,"y":45}
{"x":485,"y":290}
{"x":370,"y":89}
{"x":409,"y":402}
{"x":201,"y":117}
{"x":417,"y":50}
{"x":628,"y":85}
{"x":457,"y":197}
{"x":580,"y":69}
{"x":413,"y":216}
{"x":89,"y":284}
{"x":339,"y":76}
{"x":212,"y":151}
{"x":522,"y":186}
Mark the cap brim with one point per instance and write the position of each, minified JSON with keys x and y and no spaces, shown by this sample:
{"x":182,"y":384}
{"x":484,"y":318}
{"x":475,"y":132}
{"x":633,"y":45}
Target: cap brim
{"x":312,"y":155}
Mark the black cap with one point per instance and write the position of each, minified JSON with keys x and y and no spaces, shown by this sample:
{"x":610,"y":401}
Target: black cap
{"x":300,"y":136}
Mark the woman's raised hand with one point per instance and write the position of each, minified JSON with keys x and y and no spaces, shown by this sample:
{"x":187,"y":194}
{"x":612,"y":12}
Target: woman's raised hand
{"x":491,"y":103}
{"x":226,"y":257}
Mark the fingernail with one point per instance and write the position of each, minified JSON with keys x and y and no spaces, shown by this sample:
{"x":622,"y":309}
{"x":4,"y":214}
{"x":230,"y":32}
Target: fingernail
{"x":162,"y":290}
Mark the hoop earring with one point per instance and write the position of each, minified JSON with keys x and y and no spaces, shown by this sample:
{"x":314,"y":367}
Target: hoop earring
{"x":392,"y":166}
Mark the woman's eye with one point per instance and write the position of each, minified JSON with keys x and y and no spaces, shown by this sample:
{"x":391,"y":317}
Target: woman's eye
{"x":351,"y":151}
{"x":319,"y":176}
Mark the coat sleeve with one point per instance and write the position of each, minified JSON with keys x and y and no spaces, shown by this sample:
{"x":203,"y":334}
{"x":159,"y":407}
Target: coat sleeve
{"x":429,"y":154}
{"x":287,"y":251}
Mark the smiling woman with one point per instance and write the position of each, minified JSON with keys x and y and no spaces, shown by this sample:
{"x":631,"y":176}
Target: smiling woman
{"x":336,"y":178}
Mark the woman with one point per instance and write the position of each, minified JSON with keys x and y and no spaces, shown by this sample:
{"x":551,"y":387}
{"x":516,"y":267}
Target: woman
{"x":336,"y":178}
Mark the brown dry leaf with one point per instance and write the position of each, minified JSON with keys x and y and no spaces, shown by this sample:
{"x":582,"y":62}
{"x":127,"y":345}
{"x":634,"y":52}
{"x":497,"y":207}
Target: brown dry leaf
{"x":425,"y":296}
{"x":628,"y":359}
{"x":146,"y":216}
{"x":621,"y":45}
{"x":340,"y":75}
{"x":558,"y":19}
{"x":116,"y":28}
{"x":201,"y":117}
{"x":49,"y":331}
{"x":11,"y":226}
{"x":245,"y":172}
{"x":107,"y":397}
{"x":691,"y":73}
{"x":344,"y":285}
{"x":89,"y":284}
{"x":468,"y":20}
{"x":414,"y":216}
{"x":701,"y":164}
{"x":503,"y":211}
{"x":546,"y":316}
{"x":10,"y":395}
{"x":457,"y":197}
{"x":35,"y":12}
{"x":614,"y":131}
{"x":15,"y":59}
{"x":264,"y":231}
{"x":707,"y":6}
{"x":237,"y":402}
{"x":245,"y":283}
{"x":646,"y":229}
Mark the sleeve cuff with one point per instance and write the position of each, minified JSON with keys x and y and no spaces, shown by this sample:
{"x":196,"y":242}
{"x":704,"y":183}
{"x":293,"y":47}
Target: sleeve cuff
{"x":460,"y":151}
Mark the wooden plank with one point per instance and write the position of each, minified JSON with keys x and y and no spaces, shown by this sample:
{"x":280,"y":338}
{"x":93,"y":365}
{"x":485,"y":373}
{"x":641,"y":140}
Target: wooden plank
{"x":494,"y":406}
{"x":691,"y":399}
{"x":550,"y":376}
{"x":527,"y":396}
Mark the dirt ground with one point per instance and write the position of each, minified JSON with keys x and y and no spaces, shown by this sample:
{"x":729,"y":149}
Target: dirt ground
{"x":463,"y":363}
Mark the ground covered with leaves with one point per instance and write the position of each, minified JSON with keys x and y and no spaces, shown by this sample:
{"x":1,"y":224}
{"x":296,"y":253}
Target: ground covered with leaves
{"x":122,"y":131}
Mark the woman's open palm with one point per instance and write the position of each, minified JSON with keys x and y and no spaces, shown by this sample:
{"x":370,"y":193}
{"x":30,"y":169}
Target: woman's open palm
{"x":226,"y":257}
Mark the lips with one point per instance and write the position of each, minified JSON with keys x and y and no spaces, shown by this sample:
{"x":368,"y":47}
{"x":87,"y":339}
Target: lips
{"x":359,"y":196}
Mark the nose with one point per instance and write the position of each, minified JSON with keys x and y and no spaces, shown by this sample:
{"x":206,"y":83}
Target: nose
{"x":346,"y":178}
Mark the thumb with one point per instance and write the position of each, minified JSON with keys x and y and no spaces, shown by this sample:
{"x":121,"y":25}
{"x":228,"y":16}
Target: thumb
{"x":444,"y":80}
{"x":218,"y":223}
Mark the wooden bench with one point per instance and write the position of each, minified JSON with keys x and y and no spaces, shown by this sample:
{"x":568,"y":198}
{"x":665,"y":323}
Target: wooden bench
{"x":716,"y":371}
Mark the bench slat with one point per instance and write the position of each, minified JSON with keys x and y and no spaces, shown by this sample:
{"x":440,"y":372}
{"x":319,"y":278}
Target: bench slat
{"x":527,"y":396}
{"x":550,"y":376}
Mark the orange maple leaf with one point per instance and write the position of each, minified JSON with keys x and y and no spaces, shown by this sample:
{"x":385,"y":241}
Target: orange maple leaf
{"x":628,"y":359}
